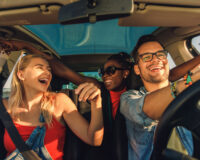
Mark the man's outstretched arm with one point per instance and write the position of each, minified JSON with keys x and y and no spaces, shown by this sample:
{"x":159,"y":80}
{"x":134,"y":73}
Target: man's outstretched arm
{"x":179,"y":71}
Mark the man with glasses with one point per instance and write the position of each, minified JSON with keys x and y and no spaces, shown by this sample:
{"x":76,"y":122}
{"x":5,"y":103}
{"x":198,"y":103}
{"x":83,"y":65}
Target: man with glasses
{"x":144,"y":107}
{"x":115,"y":74}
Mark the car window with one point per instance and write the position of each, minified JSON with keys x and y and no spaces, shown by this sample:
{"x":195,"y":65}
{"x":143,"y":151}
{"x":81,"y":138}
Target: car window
{"x":87,"y":38}
{"x":171,"y":62}
{"x":195,"y":43}
{"x":7,"y":85}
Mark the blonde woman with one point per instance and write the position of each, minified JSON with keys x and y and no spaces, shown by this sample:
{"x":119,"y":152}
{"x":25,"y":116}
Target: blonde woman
{"x":34,"y":109}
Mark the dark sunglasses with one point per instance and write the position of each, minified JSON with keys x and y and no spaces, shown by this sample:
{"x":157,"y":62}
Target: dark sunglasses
{"x":109,"y":70}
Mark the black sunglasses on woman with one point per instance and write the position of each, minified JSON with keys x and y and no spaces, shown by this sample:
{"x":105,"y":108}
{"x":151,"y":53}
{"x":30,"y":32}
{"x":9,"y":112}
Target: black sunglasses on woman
{"x":109,"y":70}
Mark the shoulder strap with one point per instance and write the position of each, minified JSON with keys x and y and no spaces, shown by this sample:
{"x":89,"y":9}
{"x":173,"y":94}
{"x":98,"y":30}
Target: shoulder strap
{"x":24,"y":149}
{"x":12,"y":131}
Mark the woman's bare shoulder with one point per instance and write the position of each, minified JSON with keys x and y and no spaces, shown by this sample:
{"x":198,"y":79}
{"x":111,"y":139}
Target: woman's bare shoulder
{"x":62,"y":97}
{"x":64,"y":102}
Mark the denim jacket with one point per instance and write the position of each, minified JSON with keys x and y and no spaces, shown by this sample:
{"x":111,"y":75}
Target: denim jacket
{"x":141,"y":128}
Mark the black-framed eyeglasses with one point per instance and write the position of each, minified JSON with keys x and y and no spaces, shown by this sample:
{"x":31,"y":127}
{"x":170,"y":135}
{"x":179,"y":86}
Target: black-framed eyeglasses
{"x":147,"y":57}
{"x":109,"y":70}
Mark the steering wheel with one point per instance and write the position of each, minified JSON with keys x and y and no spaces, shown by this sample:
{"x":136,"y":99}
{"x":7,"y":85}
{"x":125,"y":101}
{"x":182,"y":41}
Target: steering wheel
{"x":184,"y":111}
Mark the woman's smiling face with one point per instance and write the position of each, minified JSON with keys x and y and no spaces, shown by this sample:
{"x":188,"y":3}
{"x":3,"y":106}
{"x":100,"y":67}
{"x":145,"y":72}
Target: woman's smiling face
{"x":115,"y":81}
{"x":37,"y":75}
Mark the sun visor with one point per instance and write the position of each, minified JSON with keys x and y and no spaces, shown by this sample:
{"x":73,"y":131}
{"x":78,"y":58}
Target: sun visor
{"x":94,"y":10}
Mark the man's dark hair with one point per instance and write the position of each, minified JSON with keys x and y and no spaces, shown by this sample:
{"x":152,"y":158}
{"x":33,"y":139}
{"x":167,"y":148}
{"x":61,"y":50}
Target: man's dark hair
{"x":141,"y":41}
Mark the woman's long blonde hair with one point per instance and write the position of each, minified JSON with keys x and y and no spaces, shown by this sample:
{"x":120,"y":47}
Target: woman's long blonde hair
{"x":17,"y":96}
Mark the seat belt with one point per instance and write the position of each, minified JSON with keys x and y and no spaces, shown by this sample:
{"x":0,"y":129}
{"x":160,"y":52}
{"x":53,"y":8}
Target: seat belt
{"x":24,"y":149}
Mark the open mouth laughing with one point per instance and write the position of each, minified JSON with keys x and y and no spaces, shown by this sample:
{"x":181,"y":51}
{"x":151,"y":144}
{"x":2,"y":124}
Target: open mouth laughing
{"x":156,"y":68}
{"x":44,"y":81}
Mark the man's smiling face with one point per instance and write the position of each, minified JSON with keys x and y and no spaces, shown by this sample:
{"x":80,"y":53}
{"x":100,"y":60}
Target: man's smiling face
{"x":153,"y":71}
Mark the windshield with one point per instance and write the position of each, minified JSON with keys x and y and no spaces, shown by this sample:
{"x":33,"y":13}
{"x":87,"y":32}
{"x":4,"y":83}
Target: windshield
{"x":90,"y":38}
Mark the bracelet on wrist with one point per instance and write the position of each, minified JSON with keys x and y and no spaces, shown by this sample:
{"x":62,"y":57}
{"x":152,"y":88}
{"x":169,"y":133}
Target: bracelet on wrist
{"x":187,"y":79}
{"x":173,"y":89}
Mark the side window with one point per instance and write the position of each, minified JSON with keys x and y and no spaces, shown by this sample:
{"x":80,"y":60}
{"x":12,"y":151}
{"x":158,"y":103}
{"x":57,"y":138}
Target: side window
{"x":195,"y":43}
{"x":7,"y":85}
{"x":171,"y":62}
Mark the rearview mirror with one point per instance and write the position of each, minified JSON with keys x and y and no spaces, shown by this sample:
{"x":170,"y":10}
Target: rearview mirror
{"x":94,"y":10}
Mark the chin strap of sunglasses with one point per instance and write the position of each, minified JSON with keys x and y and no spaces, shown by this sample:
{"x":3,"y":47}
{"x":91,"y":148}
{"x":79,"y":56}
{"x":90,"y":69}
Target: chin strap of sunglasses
{"x":24,"y":149}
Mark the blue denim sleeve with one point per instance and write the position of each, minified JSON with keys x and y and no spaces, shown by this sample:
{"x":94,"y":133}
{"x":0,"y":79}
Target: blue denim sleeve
{"x":131,"y":106}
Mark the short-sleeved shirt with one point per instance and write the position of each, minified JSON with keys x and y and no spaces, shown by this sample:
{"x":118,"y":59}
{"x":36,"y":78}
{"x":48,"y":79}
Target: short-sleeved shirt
{"x":141,"y":128}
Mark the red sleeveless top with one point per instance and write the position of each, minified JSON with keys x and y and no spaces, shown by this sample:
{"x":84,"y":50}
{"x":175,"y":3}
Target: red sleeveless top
{"x":53,"y":141}
{"x":115,"y":100}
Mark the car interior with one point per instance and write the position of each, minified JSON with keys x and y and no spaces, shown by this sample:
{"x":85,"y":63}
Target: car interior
{"x":75,"y":37}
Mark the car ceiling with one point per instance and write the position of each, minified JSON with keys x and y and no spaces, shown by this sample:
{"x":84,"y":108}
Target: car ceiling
{"x":164,"y":12}
{"x":178,"y":19}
